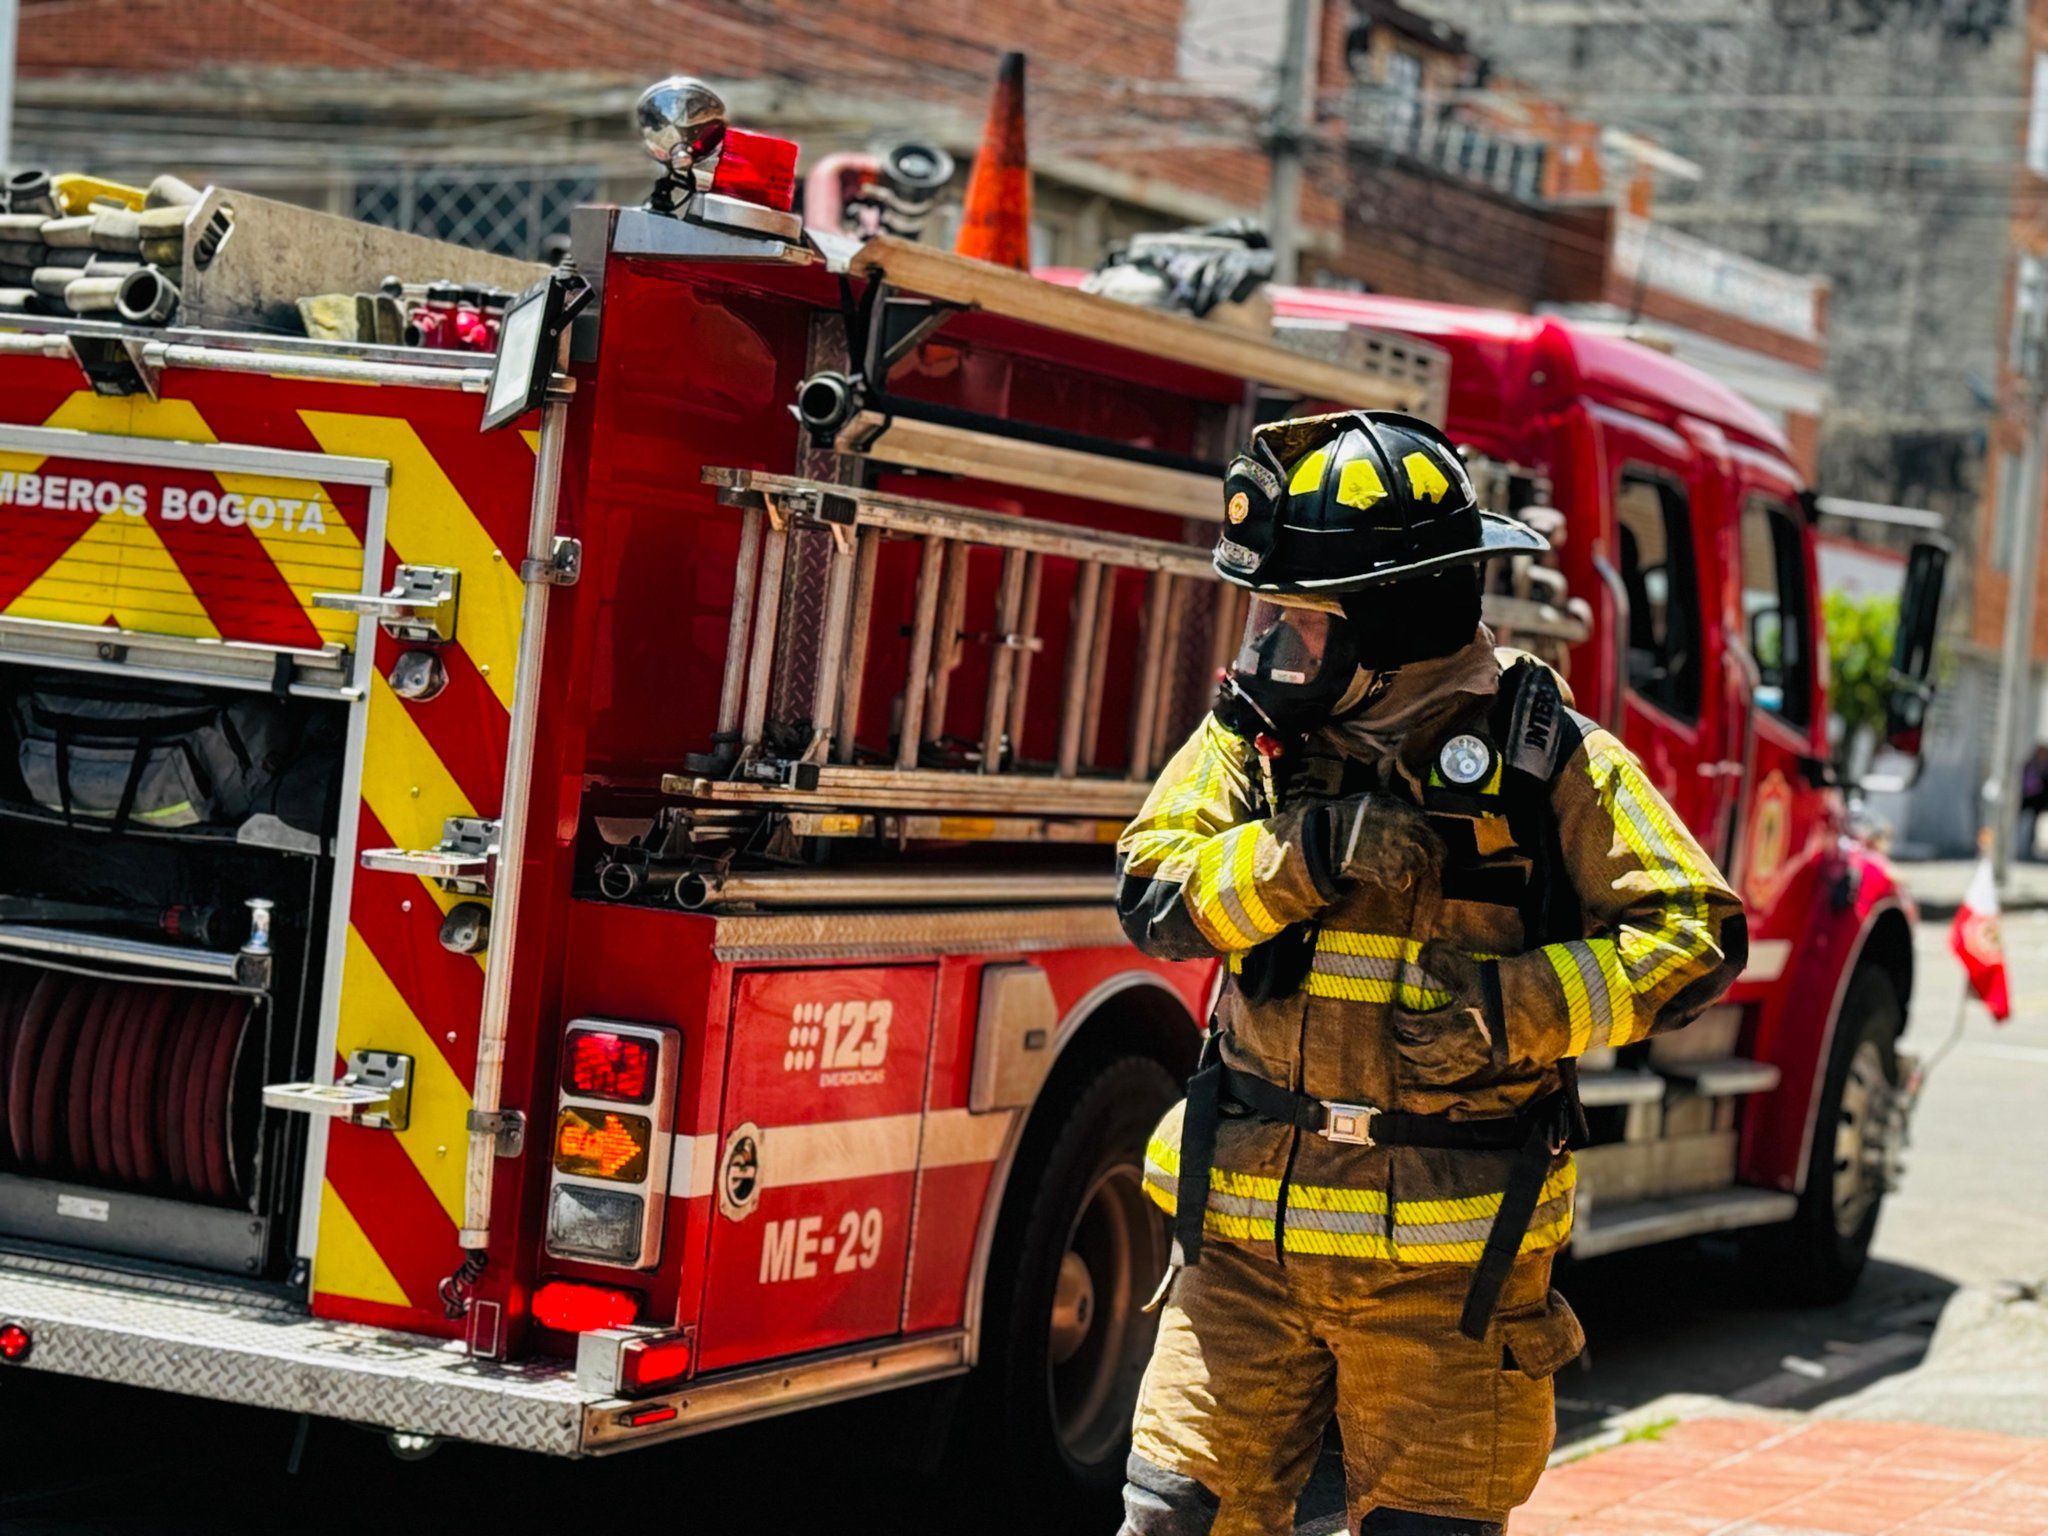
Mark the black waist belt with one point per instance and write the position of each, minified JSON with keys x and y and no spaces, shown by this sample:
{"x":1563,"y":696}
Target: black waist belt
{"x":1537,"y":1133}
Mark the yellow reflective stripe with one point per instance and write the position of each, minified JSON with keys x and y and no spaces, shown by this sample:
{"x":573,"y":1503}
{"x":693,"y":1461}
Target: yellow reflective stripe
{"x":1578,"y":1009}
{"x":1415,"y":1213}
{"x":1341,"y":1245}
{"x":1667,"y":866}
{"x":1621,"y":999}
{"x":1327,"y":1197}
{"x":345,"y":1261}
{"x":1244,"y":877}
{"x":1252,"y":1229}
{"x":1377,"y":946}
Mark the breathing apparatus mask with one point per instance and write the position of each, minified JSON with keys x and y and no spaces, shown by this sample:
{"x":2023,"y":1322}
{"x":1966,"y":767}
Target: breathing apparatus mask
{"x":1307,"y":660}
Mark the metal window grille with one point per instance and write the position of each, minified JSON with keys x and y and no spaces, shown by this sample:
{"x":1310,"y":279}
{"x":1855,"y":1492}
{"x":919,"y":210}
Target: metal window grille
{"x":511,"y":212}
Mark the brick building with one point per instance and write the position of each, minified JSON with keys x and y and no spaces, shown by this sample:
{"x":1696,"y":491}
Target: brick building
{"x":1878,"y":144}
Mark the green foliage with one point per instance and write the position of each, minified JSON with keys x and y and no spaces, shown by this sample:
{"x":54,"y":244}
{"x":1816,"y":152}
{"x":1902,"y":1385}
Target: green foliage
{"x":1859,"y":636}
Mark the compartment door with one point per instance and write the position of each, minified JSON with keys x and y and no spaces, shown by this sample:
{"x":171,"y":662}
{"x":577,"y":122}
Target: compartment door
{"x":817,"y":1160}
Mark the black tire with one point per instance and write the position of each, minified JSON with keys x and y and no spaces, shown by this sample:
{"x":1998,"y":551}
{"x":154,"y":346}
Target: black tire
{"x":1055,"y":1433}
{"x":1823,"y":1249}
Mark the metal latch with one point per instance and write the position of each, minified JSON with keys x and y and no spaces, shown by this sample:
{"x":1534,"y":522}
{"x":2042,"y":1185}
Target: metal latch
{"x":463,"y":862}
{"x":507,"y":1126}
{"x":561,"y":568}
{"x":375,"y":1092}
{"x":419,"y":607}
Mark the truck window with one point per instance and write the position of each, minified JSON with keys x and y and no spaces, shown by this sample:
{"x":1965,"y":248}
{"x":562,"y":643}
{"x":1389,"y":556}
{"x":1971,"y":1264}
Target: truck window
{"x":1663,"y":594}
{"x":1775,"y":610}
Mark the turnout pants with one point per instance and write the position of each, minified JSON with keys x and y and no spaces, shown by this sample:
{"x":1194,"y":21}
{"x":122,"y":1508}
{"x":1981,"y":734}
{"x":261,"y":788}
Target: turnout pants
{"x":1254,"y":1360}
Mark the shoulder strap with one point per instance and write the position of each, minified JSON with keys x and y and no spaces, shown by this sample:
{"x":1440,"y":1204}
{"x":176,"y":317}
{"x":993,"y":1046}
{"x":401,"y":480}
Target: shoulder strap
{"x":1538,"y":735}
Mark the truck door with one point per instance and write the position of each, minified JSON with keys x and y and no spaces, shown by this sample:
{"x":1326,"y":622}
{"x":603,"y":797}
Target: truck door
{"x":1658,"y":557}
{"x":817,"y":1161}
{"x":1781,"y":817}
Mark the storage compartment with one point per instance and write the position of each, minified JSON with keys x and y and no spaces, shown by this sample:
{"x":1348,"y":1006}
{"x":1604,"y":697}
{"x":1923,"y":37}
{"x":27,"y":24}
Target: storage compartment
{"x":166,"y":864}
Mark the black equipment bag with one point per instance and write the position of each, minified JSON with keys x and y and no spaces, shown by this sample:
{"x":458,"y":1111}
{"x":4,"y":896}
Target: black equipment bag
{"x":165,"y":757}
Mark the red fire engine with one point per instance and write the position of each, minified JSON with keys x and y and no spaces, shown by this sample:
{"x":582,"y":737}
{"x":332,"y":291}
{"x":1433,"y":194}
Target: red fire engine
{"x":596,"y":930}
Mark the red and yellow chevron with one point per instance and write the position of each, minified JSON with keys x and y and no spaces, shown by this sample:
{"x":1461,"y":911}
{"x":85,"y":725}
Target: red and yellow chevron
{"x":188,"y":552}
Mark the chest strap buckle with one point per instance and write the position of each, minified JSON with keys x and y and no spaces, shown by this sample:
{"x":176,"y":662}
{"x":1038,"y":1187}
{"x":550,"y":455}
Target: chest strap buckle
{"x":1350,"y":1124}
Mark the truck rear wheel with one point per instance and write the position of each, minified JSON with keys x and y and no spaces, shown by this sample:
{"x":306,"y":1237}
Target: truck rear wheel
{"x":1825,"y":1246}
{"x":1065,"y":1338}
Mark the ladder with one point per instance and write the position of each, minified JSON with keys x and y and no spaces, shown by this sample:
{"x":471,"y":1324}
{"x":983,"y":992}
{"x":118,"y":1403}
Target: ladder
{"x":966,"y":639}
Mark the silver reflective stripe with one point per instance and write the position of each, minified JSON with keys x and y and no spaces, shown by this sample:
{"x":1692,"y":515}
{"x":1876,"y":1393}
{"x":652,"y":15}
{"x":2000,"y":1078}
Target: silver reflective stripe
{"x":1220,"y":1204}
{"x":1233,"y":908}
{"x":1596,"y":990}
{"x":1470,"y":1230}
{"x":1358,"y":967}
{"x":1371,"y":1223}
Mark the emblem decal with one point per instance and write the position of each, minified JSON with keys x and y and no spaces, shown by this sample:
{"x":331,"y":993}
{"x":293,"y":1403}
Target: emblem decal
{"x":1239,"y":508}
{"x":739,"y":1178}
{"x":1465,"y":759}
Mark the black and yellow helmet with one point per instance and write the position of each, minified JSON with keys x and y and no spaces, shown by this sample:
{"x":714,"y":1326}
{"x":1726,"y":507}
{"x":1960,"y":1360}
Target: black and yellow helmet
{"x":1355,"y":499}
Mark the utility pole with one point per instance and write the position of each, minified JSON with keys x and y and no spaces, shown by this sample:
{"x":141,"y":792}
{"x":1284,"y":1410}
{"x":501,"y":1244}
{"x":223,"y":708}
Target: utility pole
{"x":1287,"y":131}
{"x":2016,"y":657}
{"x":10,"y":18}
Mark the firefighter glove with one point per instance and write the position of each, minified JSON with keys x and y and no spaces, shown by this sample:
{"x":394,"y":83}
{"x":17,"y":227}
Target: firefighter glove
{"x":1379,"y":840}
{"x":1447,"y":1018}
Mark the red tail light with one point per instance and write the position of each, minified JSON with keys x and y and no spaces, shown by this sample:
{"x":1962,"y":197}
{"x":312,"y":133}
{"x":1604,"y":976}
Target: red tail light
{"x":656,"y":1362}
{"x":608,"y":1184}
{"x":15,"y":1343}
{"x":758,"y":169}
{"x":572,"y":1308}
{"x":603,"y":1065}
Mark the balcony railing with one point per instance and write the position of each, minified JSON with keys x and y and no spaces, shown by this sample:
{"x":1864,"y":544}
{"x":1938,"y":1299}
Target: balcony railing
{"x":1420,"y":129}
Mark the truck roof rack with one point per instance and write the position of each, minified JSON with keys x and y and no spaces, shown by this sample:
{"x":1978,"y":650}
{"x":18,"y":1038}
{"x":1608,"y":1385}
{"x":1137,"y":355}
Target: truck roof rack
{"x":1395,"y":373}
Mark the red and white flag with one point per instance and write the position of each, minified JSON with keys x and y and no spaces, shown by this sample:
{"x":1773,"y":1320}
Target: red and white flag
{"x":1975,"y":938}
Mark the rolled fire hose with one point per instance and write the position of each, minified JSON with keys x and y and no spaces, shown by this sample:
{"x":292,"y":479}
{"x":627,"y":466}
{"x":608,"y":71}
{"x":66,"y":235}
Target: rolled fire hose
{"x":146,"y":297}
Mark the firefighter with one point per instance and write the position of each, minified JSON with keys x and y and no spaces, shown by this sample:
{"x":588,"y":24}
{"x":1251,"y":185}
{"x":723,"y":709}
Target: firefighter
{"x":1435,"y":886}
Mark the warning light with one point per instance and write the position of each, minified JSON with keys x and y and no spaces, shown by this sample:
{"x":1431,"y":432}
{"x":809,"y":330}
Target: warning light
{"x":569,"y":1307}
{"x":656,"y":1362}
{"x":757,"y":168}
{"x":603,"y":1065}
{"x":15,"y":1343}
{"x":601,"y":1144}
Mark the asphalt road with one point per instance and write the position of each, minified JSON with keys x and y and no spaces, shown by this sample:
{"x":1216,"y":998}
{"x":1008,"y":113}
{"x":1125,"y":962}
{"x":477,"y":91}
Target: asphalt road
{"x":1689,"y":1319}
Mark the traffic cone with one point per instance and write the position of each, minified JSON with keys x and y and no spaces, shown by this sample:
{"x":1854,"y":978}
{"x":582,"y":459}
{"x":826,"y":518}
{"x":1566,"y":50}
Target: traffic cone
{"x":996,"y":223}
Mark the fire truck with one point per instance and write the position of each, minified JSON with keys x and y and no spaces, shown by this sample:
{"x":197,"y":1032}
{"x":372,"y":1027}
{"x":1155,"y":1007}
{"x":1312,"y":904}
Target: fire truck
{"x":560,"y":898}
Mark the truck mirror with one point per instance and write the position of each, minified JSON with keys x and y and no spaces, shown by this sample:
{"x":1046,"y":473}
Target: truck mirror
{"x":1912,"y":686}
{"x":529,"y":341}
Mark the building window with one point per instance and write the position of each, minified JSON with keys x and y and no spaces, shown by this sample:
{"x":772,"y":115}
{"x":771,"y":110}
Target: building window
{"x":1401,"y":76}
{"x":2037,"y":119}
{"x":2029,"y":315}
{"x":508,"y":211}
{"x":1655,"y":530}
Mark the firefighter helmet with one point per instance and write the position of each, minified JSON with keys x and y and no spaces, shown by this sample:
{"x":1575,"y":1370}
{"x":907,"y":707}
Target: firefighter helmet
{"x":1354,"y":499}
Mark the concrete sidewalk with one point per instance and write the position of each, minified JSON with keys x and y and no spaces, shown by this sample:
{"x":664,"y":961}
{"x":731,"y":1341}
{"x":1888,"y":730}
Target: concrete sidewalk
{"x":1779,"y":1476}
{"x":1938,"y":885}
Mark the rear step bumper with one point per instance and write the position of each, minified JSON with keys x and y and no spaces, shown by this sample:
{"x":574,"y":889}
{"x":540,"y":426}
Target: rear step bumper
{"x":209,"y":1341}
{"x":203,"y":1341}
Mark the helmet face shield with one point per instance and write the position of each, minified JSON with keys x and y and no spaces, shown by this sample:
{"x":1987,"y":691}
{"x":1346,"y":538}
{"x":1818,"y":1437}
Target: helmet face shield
{"x":1295,"y":662}
{"x":1285,"y":645}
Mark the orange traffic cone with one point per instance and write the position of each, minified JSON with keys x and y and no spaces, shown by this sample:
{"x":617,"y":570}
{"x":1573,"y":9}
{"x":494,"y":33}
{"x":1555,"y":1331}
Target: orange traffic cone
{"x":996,"y":223}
